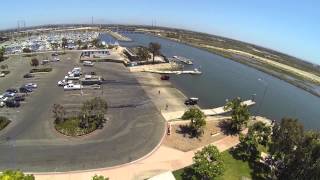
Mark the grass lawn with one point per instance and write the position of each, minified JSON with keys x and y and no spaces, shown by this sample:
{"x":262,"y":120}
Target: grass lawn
{"x":70,"y":127}
{"x":4,"y":122}
{"x":234,"y":169}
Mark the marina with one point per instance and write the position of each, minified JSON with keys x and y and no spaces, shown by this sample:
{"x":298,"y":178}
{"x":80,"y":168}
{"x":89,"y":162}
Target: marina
{"x":223,"y":79}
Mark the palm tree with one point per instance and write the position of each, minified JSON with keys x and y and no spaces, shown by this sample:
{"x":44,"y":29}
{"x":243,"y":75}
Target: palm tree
{"x":54,"y":46}
{"x":64,"y":43}
{"x":239,"y":114}
{"x":79,"y":43}
{"x":155,"y":49}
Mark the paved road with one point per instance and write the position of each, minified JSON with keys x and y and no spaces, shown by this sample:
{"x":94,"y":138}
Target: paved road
{"x":31,"y":144}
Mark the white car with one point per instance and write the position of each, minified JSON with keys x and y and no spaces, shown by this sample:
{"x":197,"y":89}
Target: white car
{"x":9,"y":94}
{"x":2,"y":74}
{"x":55,"y":59}
{"x":72,"y":87}
{"x":88,"y":63}
{"x":3,"y":98}
{"x":2,"y":104}
{"x":31,"y":85}
{"x":64,"y":83}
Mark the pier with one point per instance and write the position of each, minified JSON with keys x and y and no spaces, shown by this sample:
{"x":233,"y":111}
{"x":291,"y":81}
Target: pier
{"x":207,"y":112}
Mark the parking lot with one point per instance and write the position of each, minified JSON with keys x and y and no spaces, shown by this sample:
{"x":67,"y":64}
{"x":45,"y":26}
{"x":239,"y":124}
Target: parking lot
{"x":133,"y":129}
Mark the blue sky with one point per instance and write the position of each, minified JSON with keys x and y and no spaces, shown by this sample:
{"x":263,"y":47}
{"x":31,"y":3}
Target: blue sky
{"x":290,"y":26}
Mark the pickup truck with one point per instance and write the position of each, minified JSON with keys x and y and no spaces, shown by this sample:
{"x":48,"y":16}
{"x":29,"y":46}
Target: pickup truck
{"x":72,"y":87}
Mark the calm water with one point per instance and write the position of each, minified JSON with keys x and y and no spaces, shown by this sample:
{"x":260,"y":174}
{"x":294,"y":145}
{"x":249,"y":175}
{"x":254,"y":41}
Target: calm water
{"x":225,"y":79}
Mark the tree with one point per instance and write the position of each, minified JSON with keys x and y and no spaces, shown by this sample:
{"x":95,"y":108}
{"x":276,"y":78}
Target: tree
{"x":15,"y":175}
{"x":96,"y":43}
{"x":305,"y":163}
{"x":4,"y":66}
{"x":143,"y":54}
{"x":26,"y":50}
{"x":64,"y":43}
{"x":154,"y":48}
{"x":239,"y":114}
{"x":79,"y":43}
{"x":34,"y":62}
{"x":2,"y":51}
{"x":54,"y":46}
{"x":96,"y":177}
{"x":197,"y":120}
{"x":92,"y":112}
{"x":208,"y":163}
{"x":258,"y":134}
{"x":59,"y":113}
{"x":286,"y":141}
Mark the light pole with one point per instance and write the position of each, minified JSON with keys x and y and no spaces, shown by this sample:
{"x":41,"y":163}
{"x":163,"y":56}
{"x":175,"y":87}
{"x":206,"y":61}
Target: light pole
{"x":266,"y":84}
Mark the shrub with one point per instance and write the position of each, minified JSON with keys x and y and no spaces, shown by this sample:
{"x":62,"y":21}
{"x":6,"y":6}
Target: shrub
{"x":34,"y":62}
{"x":4,"y":121}
{"x":41,"y":70}
{"x":5,"y":72}
{"x":26,"y":50}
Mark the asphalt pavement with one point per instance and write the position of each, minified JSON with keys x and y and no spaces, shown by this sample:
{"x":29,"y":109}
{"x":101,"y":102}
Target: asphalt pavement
{"x":30,"y":143}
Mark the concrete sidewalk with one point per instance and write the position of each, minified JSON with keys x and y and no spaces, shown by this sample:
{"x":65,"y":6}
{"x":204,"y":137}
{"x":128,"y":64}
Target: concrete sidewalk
{"x":162,"y":160}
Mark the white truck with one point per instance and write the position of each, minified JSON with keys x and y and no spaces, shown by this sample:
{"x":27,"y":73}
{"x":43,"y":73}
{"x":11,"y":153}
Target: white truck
{"x":72,"y":87}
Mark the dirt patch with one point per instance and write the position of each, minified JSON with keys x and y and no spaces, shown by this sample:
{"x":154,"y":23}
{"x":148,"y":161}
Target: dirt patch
{"x":183,"y":141}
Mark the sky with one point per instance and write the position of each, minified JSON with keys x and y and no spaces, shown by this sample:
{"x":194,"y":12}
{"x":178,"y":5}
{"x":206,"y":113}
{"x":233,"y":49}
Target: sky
{"x":289,"y":26}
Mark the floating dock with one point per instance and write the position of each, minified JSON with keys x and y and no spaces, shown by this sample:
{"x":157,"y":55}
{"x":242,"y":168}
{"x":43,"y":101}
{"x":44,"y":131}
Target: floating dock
{"x":183,"y":59}
{"x":207,"y":112}
{"x":220,"y":110}
{"x":174,"y":72}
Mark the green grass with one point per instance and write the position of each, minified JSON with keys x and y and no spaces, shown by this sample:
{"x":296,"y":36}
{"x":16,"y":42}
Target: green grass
{"x":4,"y":122}
{"x":70,"y":127}
{"x":234,"y":169}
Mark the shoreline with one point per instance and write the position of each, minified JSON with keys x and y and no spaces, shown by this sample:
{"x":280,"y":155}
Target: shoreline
{"x":263,"y":69}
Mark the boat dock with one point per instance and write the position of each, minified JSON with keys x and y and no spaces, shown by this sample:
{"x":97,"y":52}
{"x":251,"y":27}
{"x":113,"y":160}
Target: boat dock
{"x":207,"y":112}
{"x":220,"y":110}
{"x":175,"y":72}
{"x":183,"y":59}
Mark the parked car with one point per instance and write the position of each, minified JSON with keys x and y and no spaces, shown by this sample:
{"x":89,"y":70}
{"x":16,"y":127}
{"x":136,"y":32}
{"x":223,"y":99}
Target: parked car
{"x":2,"y":104}
{"x":9,"y":94}
{"x":55,"y":59}
{"x":12,"y":90}
{"x":44,"y":62}
{"x":25,"y":90}
{"x":64,"y":82}
{"x":88,"y":63}
{"x":165,"y":77}
{"x":31,"y":85}
{"x":12,"y":103}
{"x":19,"y":98}
{"x":28,"y":75}
{"x":191,"y":101}
{"x":3,"y":98}
{"x":2,"y":74}
{"x":54,"y":54}
{"x":72,"y":87}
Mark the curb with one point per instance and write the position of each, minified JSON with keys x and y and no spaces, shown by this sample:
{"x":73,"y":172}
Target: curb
{"x":107,"y":168}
